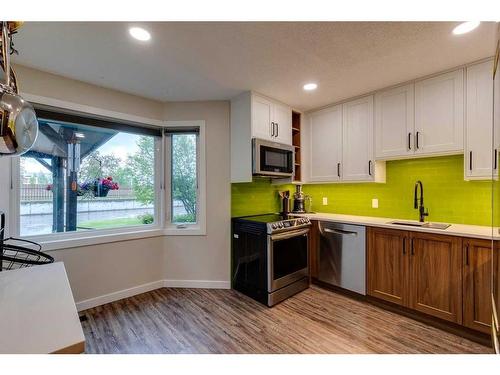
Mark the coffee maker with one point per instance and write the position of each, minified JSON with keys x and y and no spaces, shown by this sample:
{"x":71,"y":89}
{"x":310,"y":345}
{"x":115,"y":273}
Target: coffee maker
{"x":299,"y":198}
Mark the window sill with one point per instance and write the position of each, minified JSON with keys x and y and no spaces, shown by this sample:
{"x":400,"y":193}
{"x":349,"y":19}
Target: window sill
{"x":100,"y":238}
{"x":193,"y":230}
{"x":94,"y":239}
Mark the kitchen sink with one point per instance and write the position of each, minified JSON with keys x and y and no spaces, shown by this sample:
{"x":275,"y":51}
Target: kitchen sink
{"x":419,"y":224}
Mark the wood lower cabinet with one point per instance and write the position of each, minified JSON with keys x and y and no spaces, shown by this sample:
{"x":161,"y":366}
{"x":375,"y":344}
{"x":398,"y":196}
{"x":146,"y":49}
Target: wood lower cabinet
{"x":387,"y":265}
{"x":416,"y":270}
{"x":477,"y":274}
{"x":435,"y":279}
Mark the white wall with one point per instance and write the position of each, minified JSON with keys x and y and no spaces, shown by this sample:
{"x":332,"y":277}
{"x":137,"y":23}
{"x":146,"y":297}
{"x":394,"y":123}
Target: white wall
{"x":36,"y":82}
{"x":96,"y":271}
{"x":206,"y":257}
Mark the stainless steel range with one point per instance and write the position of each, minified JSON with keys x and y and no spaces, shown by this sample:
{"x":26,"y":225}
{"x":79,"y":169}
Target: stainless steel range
{"x":270,"y":256}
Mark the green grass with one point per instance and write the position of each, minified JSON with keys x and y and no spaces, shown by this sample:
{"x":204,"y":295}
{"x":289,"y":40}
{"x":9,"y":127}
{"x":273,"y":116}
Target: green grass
{"x":110,"y":223}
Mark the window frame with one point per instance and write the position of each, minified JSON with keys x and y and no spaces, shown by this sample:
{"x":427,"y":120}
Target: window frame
{"x":55,"y":241}
{"x":198,"y":228}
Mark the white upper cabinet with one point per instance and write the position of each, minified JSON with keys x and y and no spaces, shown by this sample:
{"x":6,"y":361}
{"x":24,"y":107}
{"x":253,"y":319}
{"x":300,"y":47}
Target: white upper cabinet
{"x":394,"y":122}
{"x":282,"y":117}
{"x":255,"y":116}
{"x":325,"y":148}
{"x":340,"y":144}
{"x":357,"y":140}
{"x":496,"y":119}
{"x":271,"y":120}
{"x":262,"y":117}
{"x":478,"y":158}
{"x":439,"y":114}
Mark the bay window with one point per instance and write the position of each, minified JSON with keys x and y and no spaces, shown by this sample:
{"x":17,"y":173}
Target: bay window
{"x":93,"y":176}
{"x":86,"y":174}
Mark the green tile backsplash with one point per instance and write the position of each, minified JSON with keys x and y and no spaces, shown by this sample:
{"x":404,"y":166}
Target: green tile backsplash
{"x":447,"y":196}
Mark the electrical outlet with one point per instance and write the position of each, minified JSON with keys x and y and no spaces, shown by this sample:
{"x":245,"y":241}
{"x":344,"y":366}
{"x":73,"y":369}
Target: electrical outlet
{"x":325,"y":201}
{"x":374,"y":203}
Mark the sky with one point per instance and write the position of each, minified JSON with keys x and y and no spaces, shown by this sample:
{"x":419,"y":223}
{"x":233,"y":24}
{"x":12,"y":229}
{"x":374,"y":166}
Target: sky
{"x":120,"y":145}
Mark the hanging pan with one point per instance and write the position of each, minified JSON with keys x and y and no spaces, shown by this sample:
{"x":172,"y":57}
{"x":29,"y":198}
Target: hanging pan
{"x":18,"y":122}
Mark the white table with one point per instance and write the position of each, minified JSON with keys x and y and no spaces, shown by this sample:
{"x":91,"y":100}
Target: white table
{"x":38,"y":312}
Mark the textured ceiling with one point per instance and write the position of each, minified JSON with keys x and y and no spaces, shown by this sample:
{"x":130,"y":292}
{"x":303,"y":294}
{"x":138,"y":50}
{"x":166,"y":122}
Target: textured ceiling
{"x":213,"y":61}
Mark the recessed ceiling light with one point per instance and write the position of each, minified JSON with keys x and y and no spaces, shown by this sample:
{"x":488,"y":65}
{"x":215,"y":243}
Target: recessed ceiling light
{"x":139,"y":33}
{"x":310,"y":86}
{"x":465,"y":27}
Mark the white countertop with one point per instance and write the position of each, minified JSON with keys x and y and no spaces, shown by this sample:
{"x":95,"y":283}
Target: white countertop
{"x":37,"y":312}
{"x":462,"y":230}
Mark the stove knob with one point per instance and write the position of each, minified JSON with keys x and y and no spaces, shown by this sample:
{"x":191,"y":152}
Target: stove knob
{"x":280,"y":225}
{"x":274,"y":226}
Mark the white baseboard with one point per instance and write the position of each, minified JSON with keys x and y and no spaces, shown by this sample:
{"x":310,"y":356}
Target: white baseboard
{"x":115,"y":296}
{"x":205,"y":284}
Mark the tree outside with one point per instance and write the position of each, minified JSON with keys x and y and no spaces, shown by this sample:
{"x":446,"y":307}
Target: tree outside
{"x":184,"y":179}
{"x":96,"y":165}
{"x":137,"y":172}
{"x":140,"y":168}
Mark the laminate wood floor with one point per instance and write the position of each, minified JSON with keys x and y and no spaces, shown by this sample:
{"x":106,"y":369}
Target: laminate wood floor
{"x":224,"y":321}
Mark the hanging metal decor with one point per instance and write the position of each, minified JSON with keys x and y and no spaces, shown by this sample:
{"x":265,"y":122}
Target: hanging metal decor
{"x":18,"y":122}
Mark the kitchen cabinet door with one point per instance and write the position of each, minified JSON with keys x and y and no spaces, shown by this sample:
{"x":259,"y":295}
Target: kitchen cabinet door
{"x":262,"y":114}
{"x":282,"y":117}
{"x":439,"y":114}
{"x":478,"y":156}
{"x":357,"y":140}
{"x":477,"y":284}
{"x":387,"y":262}
{"x":394,"y":122}
{"x":325,"y":149}
{"x":435,"y":285}
{"x":496,"y":121}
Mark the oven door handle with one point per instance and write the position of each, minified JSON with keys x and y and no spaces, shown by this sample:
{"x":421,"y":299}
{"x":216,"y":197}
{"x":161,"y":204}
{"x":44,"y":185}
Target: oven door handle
{"x":287,"y":235}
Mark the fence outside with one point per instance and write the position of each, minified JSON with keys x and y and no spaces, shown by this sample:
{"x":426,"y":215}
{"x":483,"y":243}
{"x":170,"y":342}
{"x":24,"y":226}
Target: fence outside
{"x":39,"y":193}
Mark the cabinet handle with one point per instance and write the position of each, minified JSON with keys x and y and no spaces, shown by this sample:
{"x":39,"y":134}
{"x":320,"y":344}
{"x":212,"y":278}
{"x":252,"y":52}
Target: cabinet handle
{"x":409,"y":141}
{"x":272,"y":129}
{"x":416,"y":140}
{"x":404,"y":246}
{"x":470,"y":160}
{"x":338,"y":169}
{"x":467,"y":254}
{"x":412,"y":247}
{"x":369,"y":167}
{"x":277,"y":129}
{"x":495,"y":163}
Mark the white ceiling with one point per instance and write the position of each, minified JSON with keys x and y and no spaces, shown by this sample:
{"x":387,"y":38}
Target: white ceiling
{"x":214,"y":61}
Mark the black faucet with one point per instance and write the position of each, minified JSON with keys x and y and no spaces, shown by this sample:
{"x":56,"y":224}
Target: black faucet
{"x":419,"y":203}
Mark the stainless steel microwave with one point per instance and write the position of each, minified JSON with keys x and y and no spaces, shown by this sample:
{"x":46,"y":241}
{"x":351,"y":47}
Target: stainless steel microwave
{"x":271,"y":159}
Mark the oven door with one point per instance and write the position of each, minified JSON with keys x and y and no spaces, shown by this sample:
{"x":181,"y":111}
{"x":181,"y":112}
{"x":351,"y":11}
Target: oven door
{"x":272,"y":159}
{"x":287,"y":258}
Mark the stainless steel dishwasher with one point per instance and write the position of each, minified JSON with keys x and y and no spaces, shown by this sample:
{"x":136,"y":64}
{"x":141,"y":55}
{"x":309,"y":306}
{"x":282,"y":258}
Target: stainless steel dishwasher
{"x":342,"y":256}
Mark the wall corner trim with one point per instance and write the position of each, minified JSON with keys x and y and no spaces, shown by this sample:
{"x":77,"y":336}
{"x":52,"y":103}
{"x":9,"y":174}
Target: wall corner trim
{"x":125,"y":293}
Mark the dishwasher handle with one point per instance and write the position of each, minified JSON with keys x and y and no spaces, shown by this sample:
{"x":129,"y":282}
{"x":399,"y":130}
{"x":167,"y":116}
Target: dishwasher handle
{"x":341,"y":232}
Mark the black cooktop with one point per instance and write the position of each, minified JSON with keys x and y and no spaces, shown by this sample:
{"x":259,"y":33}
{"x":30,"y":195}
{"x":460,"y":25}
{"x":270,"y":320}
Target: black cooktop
{"x":265,"y":218}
